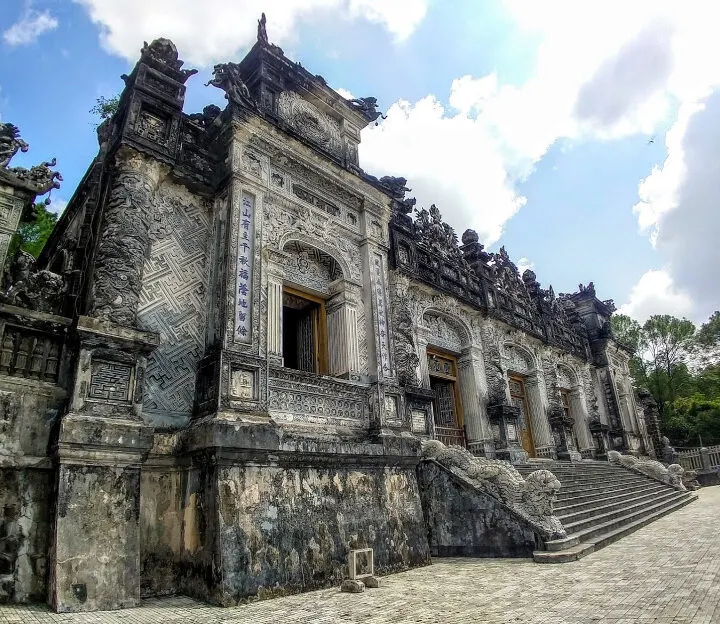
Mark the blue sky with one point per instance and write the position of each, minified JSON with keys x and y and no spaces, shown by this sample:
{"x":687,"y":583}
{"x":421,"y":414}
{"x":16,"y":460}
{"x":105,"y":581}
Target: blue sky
{"x":530,"y":124}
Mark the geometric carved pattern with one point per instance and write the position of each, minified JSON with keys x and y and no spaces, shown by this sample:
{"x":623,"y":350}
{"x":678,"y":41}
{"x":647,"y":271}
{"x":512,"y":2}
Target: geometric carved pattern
{"x":172,"y":303}
{"x":110,"y":381}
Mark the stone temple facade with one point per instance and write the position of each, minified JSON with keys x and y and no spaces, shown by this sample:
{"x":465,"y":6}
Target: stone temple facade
{"x":251,"y":339}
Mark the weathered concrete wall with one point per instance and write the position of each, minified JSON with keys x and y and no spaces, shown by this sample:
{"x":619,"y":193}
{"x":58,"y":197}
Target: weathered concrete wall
{"x":463,"y":521}
{"x":28,"y":412}
{"x":200,"y":567}
{"x":288,"y":529}
{"x":25,"y":500}
{"x":161,"y":520}
{"x":96,"y":538}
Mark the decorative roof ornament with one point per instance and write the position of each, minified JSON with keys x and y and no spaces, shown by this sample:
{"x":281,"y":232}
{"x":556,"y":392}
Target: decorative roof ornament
{"x":433,"y":232}
{"x":396,"y":188}
{"x":163,"y":54}
{"x":367,"y":107}
{"x":226,"y":76}
{"x":38,"y":179}
{"x":10,"y":143}
{"x":262,"y":30}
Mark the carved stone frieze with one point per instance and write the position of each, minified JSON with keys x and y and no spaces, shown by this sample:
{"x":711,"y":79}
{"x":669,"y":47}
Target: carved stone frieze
{"x":286,"y":221}
{"x":310,"y":267}
{"x":518,"y":360}
{"x":313,"y":179}
{"x":441,"y":333}
{"x":302,"y":397}
{"x":309,"y":122}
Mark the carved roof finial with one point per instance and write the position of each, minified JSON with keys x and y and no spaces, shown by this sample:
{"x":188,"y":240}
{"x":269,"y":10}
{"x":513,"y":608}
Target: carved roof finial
{"x":262,"y":30}
{"x":10,"y":143}
{"x":163,"y":55}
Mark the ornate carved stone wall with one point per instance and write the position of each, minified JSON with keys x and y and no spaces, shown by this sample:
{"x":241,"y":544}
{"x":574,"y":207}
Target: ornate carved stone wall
{"x":173,"y":302}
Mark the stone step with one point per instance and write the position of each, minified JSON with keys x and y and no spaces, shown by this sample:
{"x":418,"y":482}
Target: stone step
{"x":595,"y":495}
{"x":602,"y":488}
{"x":574,"y":507}
{"x":579,"y":549}
{"x":589,"y":532}
{"x":602,"y":515}
{"x":569,"y":484}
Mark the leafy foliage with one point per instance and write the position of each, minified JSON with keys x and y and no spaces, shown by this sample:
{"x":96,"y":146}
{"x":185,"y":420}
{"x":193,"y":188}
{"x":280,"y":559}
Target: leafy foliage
{"x":678,"y":364}
{"x":35,"y":227}
{"x":106,"y":107}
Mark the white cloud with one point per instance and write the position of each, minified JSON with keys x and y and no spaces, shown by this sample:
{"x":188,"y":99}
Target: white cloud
{"x":29,"y":27}
{"x":449,"y":160}
{"x":400,"y":18}
{"x":655,"y":293}
{"x":523,"y":264}
{"x":345,"y":93}
{"x":57,"y":205}
{"x":602,"y":72}
{"x":217,"y":29}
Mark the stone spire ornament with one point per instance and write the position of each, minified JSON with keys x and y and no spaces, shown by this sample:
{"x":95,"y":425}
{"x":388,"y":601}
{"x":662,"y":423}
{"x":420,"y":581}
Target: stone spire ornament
{"x":262,"y":30}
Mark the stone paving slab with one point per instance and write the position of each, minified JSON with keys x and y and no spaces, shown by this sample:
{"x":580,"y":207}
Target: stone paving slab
{"x":665,"y":573}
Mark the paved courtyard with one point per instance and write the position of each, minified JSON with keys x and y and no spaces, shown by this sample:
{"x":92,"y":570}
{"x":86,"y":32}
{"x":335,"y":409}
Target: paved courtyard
{"x":667,"y":572}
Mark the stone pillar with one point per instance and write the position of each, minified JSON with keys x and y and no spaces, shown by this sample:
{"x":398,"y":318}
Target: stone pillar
{"x":342,"y":320}
{"x":124,"y":239}
{"x":274,"y":320}
{"x":101,"y":444}
{"x":477,"y":427}
{"x":578,"y":411}
{"x":102,"y":441}
{"x":424,"y":371}
{"x":539,"y":424}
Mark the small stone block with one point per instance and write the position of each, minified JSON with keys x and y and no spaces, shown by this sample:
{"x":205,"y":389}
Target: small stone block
{"x":352,"y":586}
{"x":372,"y":582}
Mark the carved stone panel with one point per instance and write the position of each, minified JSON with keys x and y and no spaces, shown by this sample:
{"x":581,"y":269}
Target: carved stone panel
{"x":110,"y":381}
{"x":310,"y":267}
{"x":566,"y":379}
{"x":242,"y":384}
{"x":382,"y":315}
{"x":172,"y":302}
{"x":296,"y":396}
{"x":518,"y":361}
{"x":309,"y":122}
{"x":441,"y":333}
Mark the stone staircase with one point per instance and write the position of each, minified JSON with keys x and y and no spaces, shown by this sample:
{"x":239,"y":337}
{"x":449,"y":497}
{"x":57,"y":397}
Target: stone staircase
{"x":599,"y":503}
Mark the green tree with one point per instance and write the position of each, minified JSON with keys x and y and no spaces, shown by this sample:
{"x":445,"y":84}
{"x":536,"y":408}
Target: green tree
{"x":666,"y":340}
{"x":705,"y":349}
{"x":695,"y":420}
{"x":105,"y":107}
{"x":35,"y":227}
{"x":627,"y":331}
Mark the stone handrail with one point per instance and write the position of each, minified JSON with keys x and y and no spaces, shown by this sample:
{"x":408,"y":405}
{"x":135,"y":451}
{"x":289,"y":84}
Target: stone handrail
{"x":669,"y":475}
{"x":531,"y":498}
